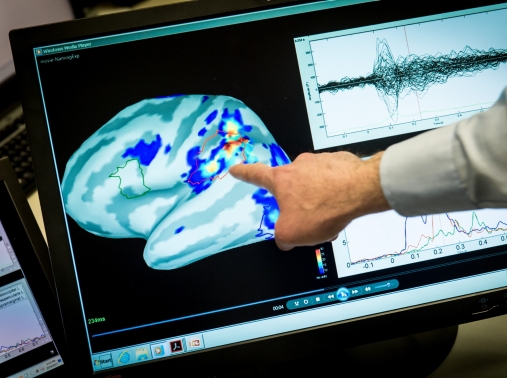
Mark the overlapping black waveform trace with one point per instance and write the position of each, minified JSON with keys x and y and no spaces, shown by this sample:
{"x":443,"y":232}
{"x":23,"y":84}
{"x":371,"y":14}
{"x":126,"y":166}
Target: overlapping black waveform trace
{"x":415,"y":73}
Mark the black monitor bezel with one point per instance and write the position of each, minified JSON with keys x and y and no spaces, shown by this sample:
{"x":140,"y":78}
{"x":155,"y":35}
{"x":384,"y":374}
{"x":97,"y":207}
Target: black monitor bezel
{"x":32,"y":253}
{"x":241,"y":355}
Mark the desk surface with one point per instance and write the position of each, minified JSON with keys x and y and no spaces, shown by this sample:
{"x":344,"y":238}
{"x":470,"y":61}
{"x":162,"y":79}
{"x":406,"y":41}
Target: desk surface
{"x":480,"y":349}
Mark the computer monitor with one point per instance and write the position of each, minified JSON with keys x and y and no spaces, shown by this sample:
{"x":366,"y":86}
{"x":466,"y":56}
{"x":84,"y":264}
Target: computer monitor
{"x":162,"y":260}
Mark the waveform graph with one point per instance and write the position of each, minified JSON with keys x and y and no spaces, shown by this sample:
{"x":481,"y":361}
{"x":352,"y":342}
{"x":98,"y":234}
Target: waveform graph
{"x":408,"y":78}
{"x":20,"y":328}
{"x":391,"y":78}
{"x":385,"y":240}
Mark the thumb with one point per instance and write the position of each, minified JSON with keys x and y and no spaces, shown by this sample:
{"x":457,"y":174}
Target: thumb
{"x":257,"y":174}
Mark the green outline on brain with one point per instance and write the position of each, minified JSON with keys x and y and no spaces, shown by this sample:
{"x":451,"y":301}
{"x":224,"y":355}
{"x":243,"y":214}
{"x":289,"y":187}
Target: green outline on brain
{"x":131,"y":175}
{"x":158,"y":170}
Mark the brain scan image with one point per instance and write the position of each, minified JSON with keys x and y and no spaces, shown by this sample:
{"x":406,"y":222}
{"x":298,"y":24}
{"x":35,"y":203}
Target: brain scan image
{"x":159,"y":170}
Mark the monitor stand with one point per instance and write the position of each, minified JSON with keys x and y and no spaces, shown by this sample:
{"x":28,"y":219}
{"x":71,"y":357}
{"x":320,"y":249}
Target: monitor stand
{"x":414,"y":356}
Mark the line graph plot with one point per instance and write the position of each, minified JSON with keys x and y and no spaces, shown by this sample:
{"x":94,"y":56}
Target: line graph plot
{"x":385,"y":240}
{"x":413,"y":73}
{"x":20,"y":328}
{"x":8,"y":348}
{"x":388,"y":81}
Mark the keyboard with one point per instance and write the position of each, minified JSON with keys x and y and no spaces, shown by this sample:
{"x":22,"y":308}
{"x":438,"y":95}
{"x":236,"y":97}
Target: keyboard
{"x":14,"y":145}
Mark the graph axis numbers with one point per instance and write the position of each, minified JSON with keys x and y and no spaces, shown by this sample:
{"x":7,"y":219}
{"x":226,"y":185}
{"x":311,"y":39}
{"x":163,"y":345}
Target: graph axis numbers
{"x":322,"y":113}
{"x":424,"y":238}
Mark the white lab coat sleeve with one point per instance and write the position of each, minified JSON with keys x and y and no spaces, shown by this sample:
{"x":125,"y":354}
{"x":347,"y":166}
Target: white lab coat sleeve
{"x":462,"y":166}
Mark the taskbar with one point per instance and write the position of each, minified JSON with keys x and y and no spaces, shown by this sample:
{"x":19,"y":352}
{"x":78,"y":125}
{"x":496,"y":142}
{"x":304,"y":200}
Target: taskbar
{"x":40,"y":368}
{"x":340,"y":310}
{"x":147,"y":352}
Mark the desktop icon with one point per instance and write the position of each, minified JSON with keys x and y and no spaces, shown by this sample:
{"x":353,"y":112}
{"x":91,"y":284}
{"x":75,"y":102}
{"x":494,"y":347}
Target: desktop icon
{"x":194,"y":342}
{"x":176,"y":346}
{"x":159,"y":350}
{"x":124,"y":358}
{"x":142,"y":354}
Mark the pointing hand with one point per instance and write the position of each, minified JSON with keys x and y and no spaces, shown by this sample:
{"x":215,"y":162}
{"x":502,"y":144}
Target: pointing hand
{"x":318,"y":194}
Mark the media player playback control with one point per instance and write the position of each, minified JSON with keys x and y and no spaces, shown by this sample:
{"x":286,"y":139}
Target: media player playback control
{"x":342,"y":294}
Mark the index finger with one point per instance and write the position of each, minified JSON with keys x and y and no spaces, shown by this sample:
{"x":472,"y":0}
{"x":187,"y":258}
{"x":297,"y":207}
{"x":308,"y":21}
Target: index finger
{"x":258,"y":174}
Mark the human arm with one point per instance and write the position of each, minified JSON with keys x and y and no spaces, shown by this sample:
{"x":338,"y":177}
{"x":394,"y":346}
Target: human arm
{"x":459,"y":167}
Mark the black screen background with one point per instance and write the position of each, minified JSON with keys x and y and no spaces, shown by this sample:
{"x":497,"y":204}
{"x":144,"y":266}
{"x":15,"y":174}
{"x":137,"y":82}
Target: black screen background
{"x":256,"y":63}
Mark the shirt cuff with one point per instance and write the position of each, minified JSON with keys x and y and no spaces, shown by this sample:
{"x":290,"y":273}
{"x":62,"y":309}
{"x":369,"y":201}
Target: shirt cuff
{"x":419,"y":176}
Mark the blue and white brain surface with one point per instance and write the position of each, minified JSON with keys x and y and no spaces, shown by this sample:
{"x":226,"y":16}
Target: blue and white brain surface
{"x":159,"y":170}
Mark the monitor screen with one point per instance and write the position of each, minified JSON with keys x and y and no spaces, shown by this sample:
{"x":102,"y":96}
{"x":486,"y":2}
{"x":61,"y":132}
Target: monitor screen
{"x":26,"y":344}
{"x":172,"y":255}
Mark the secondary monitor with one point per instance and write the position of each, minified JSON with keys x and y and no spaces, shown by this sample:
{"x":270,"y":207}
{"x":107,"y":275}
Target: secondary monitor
{"x":31,"y":333}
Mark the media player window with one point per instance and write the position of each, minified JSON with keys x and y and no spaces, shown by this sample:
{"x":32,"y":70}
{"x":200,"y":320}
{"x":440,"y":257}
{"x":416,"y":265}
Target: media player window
{"x":144,"y":137}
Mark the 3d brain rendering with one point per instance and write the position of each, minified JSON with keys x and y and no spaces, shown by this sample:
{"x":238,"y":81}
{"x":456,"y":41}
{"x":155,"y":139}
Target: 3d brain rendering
{"x":159,"y":170}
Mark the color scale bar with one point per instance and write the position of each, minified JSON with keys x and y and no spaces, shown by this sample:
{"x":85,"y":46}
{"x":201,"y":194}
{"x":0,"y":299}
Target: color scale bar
{"x":319,"y":261}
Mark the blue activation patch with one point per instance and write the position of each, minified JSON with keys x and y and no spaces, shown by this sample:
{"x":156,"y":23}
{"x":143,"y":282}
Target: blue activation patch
{"x":143,"y":151}
{"x":211,"y":117}
{"x":271,"y":211}
{"x":278,"y":156}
